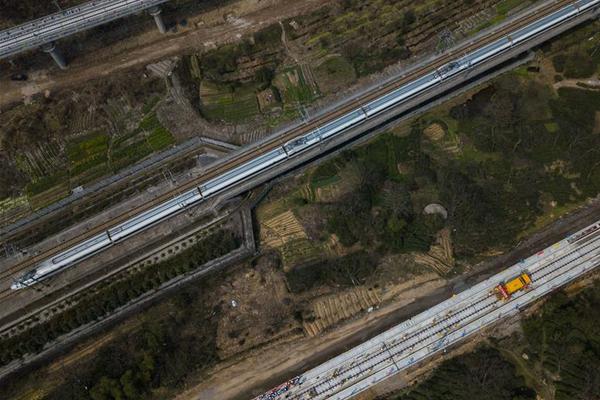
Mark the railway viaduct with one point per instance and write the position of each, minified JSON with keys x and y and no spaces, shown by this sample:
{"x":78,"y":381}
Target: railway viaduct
{"x":44,"y":32}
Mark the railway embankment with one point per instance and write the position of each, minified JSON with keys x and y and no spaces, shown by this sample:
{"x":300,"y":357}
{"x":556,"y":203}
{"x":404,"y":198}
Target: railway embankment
{"x":192,"y":255}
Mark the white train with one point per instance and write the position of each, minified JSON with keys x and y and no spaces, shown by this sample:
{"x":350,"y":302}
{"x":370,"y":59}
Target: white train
{"x":297,"y":145}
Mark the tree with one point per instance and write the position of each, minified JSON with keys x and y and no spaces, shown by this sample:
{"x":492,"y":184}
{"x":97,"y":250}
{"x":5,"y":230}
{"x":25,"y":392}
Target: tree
{"x":131,"y":385}
{"x":107,"y":389}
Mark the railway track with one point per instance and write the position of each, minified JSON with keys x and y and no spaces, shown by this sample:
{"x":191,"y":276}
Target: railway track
{"x":278,"y":140}
{"x":424,"y":335}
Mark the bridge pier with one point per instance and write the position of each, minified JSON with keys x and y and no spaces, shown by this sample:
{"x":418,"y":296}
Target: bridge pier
{"x":58,"y":58}
{"x":160,"y":24}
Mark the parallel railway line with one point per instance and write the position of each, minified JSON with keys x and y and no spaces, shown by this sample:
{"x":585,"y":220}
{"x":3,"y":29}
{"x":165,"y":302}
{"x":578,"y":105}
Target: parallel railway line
{"x":278,"y":140}
{"x":427,"y":335}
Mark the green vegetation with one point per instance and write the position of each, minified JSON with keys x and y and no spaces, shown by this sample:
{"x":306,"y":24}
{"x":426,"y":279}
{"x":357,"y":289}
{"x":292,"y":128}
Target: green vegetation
{"x":155,"y":359}
{"x":227,"y":80}
{"x":380,"y":212}
{"x":482,"y":374}
{"x":54,"y":144}
{"x":505,"y":6}
{"x":576,"y":54}
{"x":224,"y":103}
{"x":335,"y":73}
{"x":545,"y":142}
{"x":359,"y":29}
{"x":563,"y":342}
{"x":346,"y":271}
{"x":92,"y":156}
{"x":149,"y":137}
{"x":110,"y":295}
{"x":497,"y":163}
{"x":293,"y":87}
{"x":45,"y":183}
{"x":87,"y":153}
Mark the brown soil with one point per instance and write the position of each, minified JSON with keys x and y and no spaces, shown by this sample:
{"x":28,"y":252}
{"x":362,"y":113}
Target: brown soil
{"x":330,"y":310}
{"x":434,"y":132}
{"x":440,"y":256}
{"x":204,"y":31}
{"x":238,"y":379}
{"x":245,"y":322}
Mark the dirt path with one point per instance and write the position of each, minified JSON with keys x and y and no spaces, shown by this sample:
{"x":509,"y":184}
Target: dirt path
{"x":260,"y":370}
{"x":151,"y":46}
{"x":239,"y":379}
{"x":592,"y":83}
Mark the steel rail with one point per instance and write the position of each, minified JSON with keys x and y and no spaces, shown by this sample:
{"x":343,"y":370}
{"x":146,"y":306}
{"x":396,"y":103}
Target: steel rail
{"x":444,"y":325}
{"x":273,"y":142}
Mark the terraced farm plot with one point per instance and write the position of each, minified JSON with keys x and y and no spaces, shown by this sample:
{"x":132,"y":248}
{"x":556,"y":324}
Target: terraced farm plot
{"x":274,"y":208}
{"x":88,"y":158}
{"x":281,"y":229}
{"x":294,"y":88}
{"x":149,"y":137}
{"x":55,"y":169}
{"x":440,"y":257}
{"x":300,"y":252}
{"x":221,"y":103}
{"x":332,"y":309}
{"x":438,"y":133}
{"x":284,"y":233}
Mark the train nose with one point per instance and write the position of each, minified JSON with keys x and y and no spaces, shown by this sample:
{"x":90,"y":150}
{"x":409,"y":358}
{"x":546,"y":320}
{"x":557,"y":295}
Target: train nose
{"x":16,"y":286}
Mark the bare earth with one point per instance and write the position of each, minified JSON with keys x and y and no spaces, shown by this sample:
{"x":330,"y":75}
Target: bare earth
{"x":204,"y":32}
{"x":269,"y":367}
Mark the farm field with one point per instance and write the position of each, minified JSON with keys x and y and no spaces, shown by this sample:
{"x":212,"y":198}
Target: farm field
{"x":57,"y":170}
{"x":75,"y":140}
{"x":306,"y":59}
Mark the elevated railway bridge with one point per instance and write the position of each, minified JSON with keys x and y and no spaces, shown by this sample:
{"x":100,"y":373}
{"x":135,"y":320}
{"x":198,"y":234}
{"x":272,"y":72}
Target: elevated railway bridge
{"x":44,"y":32}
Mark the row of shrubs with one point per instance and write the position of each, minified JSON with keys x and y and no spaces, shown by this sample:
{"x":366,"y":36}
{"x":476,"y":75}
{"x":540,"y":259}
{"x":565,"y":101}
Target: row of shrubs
{"x":105,"y":299}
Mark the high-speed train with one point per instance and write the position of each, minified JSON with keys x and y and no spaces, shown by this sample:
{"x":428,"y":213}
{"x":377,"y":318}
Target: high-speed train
{"x":296,"y":146}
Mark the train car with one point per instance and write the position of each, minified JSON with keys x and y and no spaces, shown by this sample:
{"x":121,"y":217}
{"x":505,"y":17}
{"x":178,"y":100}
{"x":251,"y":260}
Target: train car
{"x":489,"y":51}
{"x":326,"y":131}
{"x":62,"y":260}
{"x":338,"y":125}
{"x":450,"y":69}
{"x":303,"y":142}
{"x":154,"y":215}
{"x":403,"y":93}
{"x":587,"y":232}
{"x":243,"y":171}
{"x":504,"y":291}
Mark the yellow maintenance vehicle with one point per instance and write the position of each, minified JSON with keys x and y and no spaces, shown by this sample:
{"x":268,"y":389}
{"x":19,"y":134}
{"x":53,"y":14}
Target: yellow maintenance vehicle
{"x":505,"y":290}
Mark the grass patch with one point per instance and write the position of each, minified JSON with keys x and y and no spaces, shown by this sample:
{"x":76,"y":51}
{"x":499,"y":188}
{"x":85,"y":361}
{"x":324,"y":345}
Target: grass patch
{"x":551,"y":127}
{"x":45,"y":183}
{"x":149,"y":137}
{"x":87,"y":153}
{"x":224,"y":103}
{"x":335,"y":73}
{"x":323,"y":182}
{"x":348,"y":271}
{"x":504,"y":7}
{"x":293,"y":87}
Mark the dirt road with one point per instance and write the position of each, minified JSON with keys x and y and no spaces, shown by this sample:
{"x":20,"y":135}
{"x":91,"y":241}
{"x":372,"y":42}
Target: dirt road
{"x":258,"y":371}
{"x":204,"y":32}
